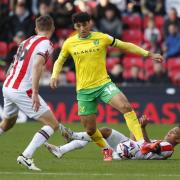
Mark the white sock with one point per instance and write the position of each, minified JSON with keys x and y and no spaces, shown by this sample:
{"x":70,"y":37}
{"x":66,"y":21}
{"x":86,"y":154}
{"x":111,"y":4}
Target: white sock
{"x":1,"y":131}
{"x":39,"y":138}
{"x":81,"y":136}
{"x":75,"y":144}
{"x":115,"y":138}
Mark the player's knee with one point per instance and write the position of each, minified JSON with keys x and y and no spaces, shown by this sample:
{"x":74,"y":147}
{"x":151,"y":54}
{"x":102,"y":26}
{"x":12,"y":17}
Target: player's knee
{"x":7,"y":124}
{"x":126,"y":107}
{"x":55,"y":125}
{"x":91,"y":130}
{"x":49,"y":119}
{"x":106,"y":132}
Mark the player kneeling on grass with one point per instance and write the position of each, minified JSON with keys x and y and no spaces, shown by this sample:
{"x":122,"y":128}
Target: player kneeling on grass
{"x":123,"y":147}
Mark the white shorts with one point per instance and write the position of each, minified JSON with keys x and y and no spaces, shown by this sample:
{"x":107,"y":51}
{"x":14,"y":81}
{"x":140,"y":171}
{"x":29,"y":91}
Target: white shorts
{"x":15,"y":99}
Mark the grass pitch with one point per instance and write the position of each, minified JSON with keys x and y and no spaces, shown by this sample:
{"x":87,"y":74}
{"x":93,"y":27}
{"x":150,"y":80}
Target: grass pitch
{"x":81,"y":164}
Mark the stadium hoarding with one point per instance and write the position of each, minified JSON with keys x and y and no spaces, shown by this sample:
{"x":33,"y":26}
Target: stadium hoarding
{"x":160,"y":103}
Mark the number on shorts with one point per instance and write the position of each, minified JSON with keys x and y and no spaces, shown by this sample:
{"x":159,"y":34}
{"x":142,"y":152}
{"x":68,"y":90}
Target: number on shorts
{"x":110,"y":88}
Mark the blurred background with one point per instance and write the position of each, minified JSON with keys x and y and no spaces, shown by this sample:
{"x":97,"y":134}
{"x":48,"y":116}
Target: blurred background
{"x":153,"y":88}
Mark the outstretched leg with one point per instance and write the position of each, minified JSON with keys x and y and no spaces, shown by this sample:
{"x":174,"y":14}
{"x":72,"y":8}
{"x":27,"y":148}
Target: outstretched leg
{"x":59,"y":151}
{"x":120,"y":102}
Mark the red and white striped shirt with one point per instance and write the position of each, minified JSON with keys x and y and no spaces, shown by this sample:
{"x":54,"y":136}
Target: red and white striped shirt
{"x":20,"y":76}
{"x":166,"y":152}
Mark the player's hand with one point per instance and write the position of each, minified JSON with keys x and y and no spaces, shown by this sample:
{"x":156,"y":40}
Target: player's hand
{"x":156,"y":57}
{"x":35,"y":102}
{"x":143,"y":120}
{"x":151,"y":147}
{"x":54,"y":83}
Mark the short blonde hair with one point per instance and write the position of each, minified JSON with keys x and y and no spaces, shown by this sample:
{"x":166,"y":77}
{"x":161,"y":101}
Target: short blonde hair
{"x":44,"y":23}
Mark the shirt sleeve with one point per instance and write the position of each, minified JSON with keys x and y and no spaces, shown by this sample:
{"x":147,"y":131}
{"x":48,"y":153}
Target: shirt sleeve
{"x":109,"y":40}
{"x":45,"y":49}
{"x":130,"y":47}
{"x":60,"y":61}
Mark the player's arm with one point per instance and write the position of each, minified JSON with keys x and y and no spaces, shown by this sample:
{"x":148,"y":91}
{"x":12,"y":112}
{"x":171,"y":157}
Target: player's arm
{"x":58,"y":66}
{"x":36,"y":74}
{"x":132,"y":48}
{"x":143,"y":121}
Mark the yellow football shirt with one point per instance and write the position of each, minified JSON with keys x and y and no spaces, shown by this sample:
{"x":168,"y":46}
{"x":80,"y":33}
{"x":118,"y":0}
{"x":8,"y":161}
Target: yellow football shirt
{"x":89,"y":55}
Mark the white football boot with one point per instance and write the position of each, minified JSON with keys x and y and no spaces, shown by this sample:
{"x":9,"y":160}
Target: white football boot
{"x":28,"y":162}
{"x":55,"y":150}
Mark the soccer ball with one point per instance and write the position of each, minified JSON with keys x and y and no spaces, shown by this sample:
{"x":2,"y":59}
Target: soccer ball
{"x":126,"y":150}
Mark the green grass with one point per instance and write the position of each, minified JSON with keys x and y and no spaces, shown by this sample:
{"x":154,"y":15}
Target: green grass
{"x":81,"y":164}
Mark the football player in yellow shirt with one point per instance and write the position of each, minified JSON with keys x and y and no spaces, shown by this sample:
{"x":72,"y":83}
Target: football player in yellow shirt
{"x":88,"y":50}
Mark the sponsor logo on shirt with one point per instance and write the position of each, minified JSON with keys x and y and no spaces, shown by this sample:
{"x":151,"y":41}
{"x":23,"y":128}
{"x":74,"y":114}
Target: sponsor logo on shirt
{"x":86,"y":51}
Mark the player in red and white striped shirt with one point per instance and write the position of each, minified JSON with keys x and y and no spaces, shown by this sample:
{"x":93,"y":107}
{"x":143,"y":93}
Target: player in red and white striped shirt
{"x":21,"y":88}
{"x":123,"y":147}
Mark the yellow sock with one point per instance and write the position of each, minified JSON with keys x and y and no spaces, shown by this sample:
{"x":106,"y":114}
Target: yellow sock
{"x":99,"y":140}
{"x":133,"y":124}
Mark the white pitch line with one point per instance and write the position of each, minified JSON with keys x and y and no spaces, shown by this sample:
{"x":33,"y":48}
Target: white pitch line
{"x":84,"y":174}
{"x":57,"y":174}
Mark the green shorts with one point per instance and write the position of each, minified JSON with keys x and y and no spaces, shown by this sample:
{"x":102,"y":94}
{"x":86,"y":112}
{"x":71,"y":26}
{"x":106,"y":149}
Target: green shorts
{"x":87,"y":98}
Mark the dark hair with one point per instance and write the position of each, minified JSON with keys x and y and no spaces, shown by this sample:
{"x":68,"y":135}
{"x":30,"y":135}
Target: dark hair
{"x":174,"y":9}
{"x":21,"y":4}
{"x":44,"y":23}
{"x":80,"y":17}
